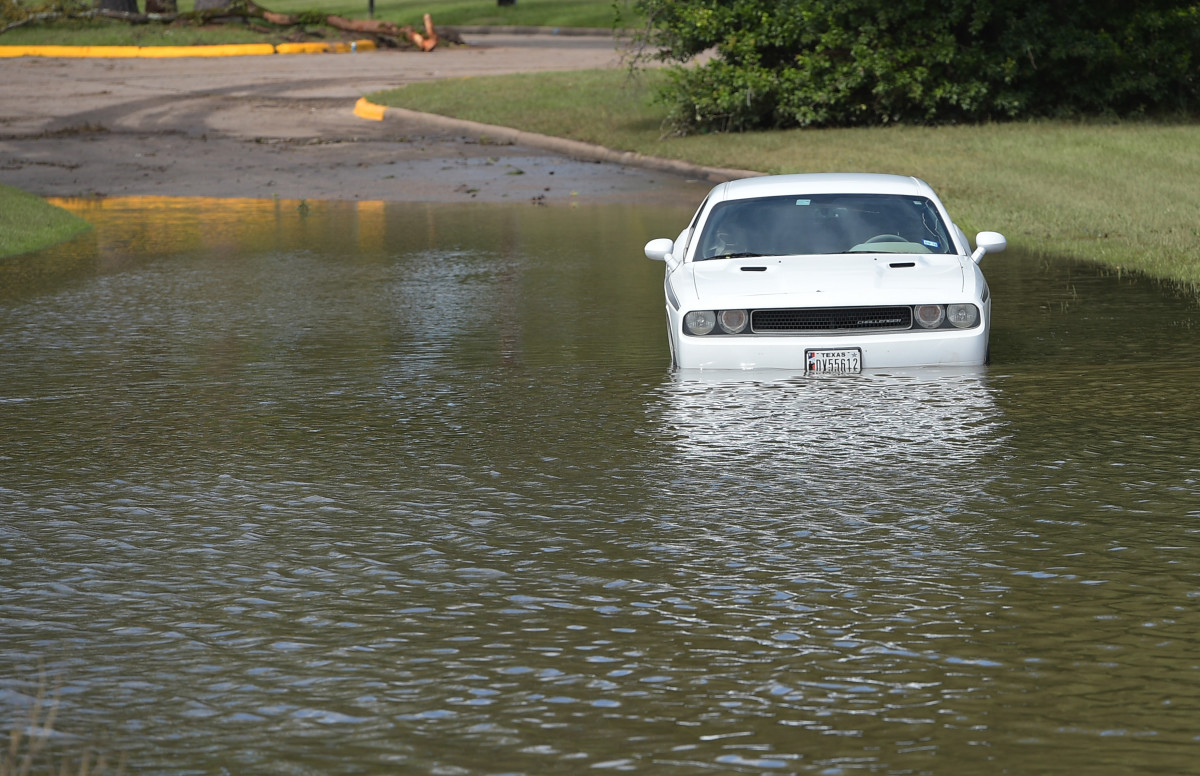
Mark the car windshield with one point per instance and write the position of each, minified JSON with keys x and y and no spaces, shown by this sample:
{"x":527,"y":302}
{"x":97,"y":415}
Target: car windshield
{"x":823,"y":224}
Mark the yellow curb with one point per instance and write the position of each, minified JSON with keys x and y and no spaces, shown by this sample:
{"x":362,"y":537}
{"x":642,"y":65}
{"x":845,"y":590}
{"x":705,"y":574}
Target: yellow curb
{"x":68,"y":51}
{"x":302,"y":48}
{"x":365,"y":109}
{"x":228,"y":50}
{"x":158,"y":52}
{"x":325,"y":48}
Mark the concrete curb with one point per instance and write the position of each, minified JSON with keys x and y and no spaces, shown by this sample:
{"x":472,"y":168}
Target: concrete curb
{"x":572,"y":148}
{"x":160,"y":52}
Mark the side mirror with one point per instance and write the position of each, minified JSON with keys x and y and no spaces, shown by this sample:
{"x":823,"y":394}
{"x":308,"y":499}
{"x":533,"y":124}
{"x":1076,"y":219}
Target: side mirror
{"x":988,"y":242}
{"x":659,"y":249}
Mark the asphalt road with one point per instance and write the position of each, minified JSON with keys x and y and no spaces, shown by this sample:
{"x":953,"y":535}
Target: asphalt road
{"x":284,"y":125}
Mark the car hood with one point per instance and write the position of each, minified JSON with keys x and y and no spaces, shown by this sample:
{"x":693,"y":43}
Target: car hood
{"x":840,"y":279}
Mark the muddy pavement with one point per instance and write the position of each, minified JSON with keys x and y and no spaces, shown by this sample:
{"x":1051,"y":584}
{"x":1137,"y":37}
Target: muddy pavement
{"x":284,"y":126}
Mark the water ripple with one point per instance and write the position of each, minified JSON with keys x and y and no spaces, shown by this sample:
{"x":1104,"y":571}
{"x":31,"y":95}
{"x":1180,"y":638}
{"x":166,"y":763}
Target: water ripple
{"x":304,"y":512}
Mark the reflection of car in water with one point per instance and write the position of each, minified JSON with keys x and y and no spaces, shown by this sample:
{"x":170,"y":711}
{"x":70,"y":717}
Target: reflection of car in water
{"x":826,"y":273}
{"x":899,"y":442}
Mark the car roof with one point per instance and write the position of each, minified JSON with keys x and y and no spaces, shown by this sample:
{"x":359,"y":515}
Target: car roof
{"x":822,"y":183}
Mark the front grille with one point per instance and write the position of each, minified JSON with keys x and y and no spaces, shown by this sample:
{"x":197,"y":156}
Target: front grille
{"x":829,"y":319}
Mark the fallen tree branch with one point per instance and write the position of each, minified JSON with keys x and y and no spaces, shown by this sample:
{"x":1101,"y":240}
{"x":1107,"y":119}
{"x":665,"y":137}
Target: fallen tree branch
{"x":426,"y":42}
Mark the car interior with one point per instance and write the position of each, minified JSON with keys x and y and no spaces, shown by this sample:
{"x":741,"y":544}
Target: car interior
{"x":825,"y":224}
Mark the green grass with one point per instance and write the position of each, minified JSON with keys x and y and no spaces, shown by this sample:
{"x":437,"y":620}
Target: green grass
{"x":105,"y":32}
{"x":1119,"y":193}
{"x":28,"y":223}
{"x":600,"y":14}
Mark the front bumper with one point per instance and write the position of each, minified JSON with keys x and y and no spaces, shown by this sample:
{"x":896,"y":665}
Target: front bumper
{"x":880,"y":350}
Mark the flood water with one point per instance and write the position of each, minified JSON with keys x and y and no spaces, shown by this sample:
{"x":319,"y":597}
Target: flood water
{"x":335,"y":488}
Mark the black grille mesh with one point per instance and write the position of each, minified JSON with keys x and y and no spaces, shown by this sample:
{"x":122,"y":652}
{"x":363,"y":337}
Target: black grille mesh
{"x":831,"y":319}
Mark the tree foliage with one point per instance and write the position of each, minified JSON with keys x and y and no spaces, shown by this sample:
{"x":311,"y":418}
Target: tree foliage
{"x":782,"y":63}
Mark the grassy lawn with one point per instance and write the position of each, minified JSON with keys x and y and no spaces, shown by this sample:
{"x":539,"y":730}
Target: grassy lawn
{"x":601,"y":14}
{"x":28,"y":222}
{"x":1119,"y":193}
{"x":105,"y":32}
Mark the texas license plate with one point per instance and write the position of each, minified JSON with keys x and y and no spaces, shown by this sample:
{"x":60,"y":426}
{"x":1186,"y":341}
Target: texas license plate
{"x":844,"y":361}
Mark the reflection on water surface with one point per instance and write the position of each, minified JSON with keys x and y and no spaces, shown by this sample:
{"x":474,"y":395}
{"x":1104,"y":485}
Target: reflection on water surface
{"x":372,"y":488}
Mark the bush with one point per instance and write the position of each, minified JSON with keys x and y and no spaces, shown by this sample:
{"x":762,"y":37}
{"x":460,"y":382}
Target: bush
{"x":785,"y":63}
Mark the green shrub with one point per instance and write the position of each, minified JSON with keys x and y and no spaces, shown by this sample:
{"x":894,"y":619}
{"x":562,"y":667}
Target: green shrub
{"x":786,"y":63}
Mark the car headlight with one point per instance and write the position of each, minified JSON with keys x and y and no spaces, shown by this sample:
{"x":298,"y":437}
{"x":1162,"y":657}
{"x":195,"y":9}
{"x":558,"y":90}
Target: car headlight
{"x":964,"y":316}
{"x":733,"y":321}
{"x":700,"y":321}
{"x":929,"y":316}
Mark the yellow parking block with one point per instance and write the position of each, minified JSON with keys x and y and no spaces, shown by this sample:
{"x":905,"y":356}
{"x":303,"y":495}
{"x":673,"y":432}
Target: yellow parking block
{"x":366,"y":109}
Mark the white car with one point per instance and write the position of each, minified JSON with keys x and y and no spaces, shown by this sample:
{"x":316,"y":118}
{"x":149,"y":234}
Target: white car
{"x":825,"y":273}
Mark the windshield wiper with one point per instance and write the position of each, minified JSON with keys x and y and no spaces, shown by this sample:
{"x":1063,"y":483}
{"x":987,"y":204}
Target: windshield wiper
{"x":743,"y":255}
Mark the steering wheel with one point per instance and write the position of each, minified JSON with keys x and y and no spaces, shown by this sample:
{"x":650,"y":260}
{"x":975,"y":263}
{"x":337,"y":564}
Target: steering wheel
{"x":885,"y":238}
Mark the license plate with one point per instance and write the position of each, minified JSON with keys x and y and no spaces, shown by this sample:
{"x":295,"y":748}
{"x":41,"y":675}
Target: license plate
{"x":845,"y":361}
